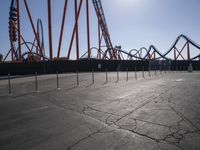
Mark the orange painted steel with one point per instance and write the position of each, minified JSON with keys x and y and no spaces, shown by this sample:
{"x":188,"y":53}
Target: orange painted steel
{"x":77,"y":34}
{"x":50,"y":30}
{"x":33,"y":28}
{"x":88,"y":29}
{"x":62,"y":28}
{"x":103,"y":52}
{"x":74,"y":30}
{"x":19,"y":32}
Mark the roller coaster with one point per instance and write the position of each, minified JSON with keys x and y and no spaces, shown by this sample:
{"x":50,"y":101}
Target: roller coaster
{"x":34,"y":51}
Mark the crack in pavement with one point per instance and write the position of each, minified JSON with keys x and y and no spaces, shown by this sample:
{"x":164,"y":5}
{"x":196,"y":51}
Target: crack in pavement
{"x":84,"y":138}
{"x":157,"y":140}
{"x":142,"y":105}
{"x":184,"y":118}
{"x":174,"y":136}
{"x":115,"y":122}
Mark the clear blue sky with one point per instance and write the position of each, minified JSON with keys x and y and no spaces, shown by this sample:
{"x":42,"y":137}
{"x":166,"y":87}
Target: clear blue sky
{"x":132,"y":23}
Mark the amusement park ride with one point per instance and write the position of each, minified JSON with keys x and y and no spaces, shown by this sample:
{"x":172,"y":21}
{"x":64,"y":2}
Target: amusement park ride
{"x":35,"y":51}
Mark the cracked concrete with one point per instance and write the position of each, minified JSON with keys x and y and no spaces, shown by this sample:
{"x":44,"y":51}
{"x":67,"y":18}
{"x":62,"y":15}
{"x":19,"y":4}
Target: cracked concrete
{"x":158,"y":112}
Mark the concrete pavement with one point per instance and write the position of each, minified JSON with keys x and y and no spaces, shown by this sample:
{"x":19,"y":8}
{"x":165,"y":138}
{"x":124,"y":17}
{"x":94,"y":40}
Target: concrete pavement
{"x":157,"y":112}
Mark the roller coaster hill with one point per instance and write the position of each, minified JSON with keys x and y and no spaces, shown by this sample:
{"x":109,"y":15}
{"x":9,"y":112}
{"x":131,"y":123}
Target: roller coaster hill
{"x":25,"y":57}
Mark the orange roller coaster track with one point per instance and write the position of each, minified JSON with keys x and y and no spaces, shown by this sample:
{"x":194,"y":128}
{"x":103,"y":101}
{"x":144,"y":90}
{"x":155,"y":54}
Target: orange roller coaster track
{"x":104,"y":50}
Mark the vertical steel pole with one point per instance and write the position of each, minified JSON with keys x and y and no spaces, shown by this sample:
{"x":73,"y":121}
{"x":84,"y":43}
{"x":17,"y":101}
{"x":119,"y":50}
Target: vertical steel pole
{"x":127,"y":77}
{"x":19,"y":32}
{"x":170,"y":69}
{"x":62,"y":29}
{"x":106,"y":75}
{"x":149,"y":72}
{"x":117,"y":75}
{"x":88,"y":28}
{"x":36,"y":82}
{"x":57,"y":79}
{"x":9,"y":85}
{"x":160,"y":70}
{"x":77,"y":36}
{"x":92,"y":76}
{"x":165,"y":69}
{"x":50,"y":31}
{"x":135,"y":73}
{"x":99,"y":37}
{"x":77,"y":77}
{"x":143,"y":72}
{"x":188,"y":50}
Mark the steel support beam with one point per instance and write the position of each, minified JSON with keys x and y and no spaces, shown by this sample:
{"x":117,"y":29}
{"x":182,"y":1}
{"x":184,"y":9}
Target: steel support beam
{"x":188,"y":50}
{"x":88,"y":29}
{"x":175,"y":54}
{"x":62,"y":28}
{"x":33,"y":28}
{"x":74,"y":30}
{"x":19,"y":32}
{"x":99,"y":38}
{"x":179,"y":53}
{"x":50,"y":30}
{"x":77,"y":34}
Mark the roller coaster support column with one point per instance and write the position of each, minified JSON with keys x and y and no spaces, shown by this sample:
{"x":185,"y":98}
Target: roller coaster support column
{"x":50,"y":31}
{"x":33,"y":28}
{"x":99,"y":38}
{"x":88,"y":28}
{"x":62,"y":28}
{"x":188,"y":50}
{"x":74,"y":30}
{"x":19,"y":33}
{"x":174,"y":53}
{"x":12,"y":49}
{"x":77,"y":36}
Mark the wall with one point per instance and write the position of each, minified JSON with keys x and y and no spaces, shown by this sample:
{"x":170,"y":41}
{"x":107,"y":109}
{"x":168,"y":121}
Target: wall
{"x":70,"y":66}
